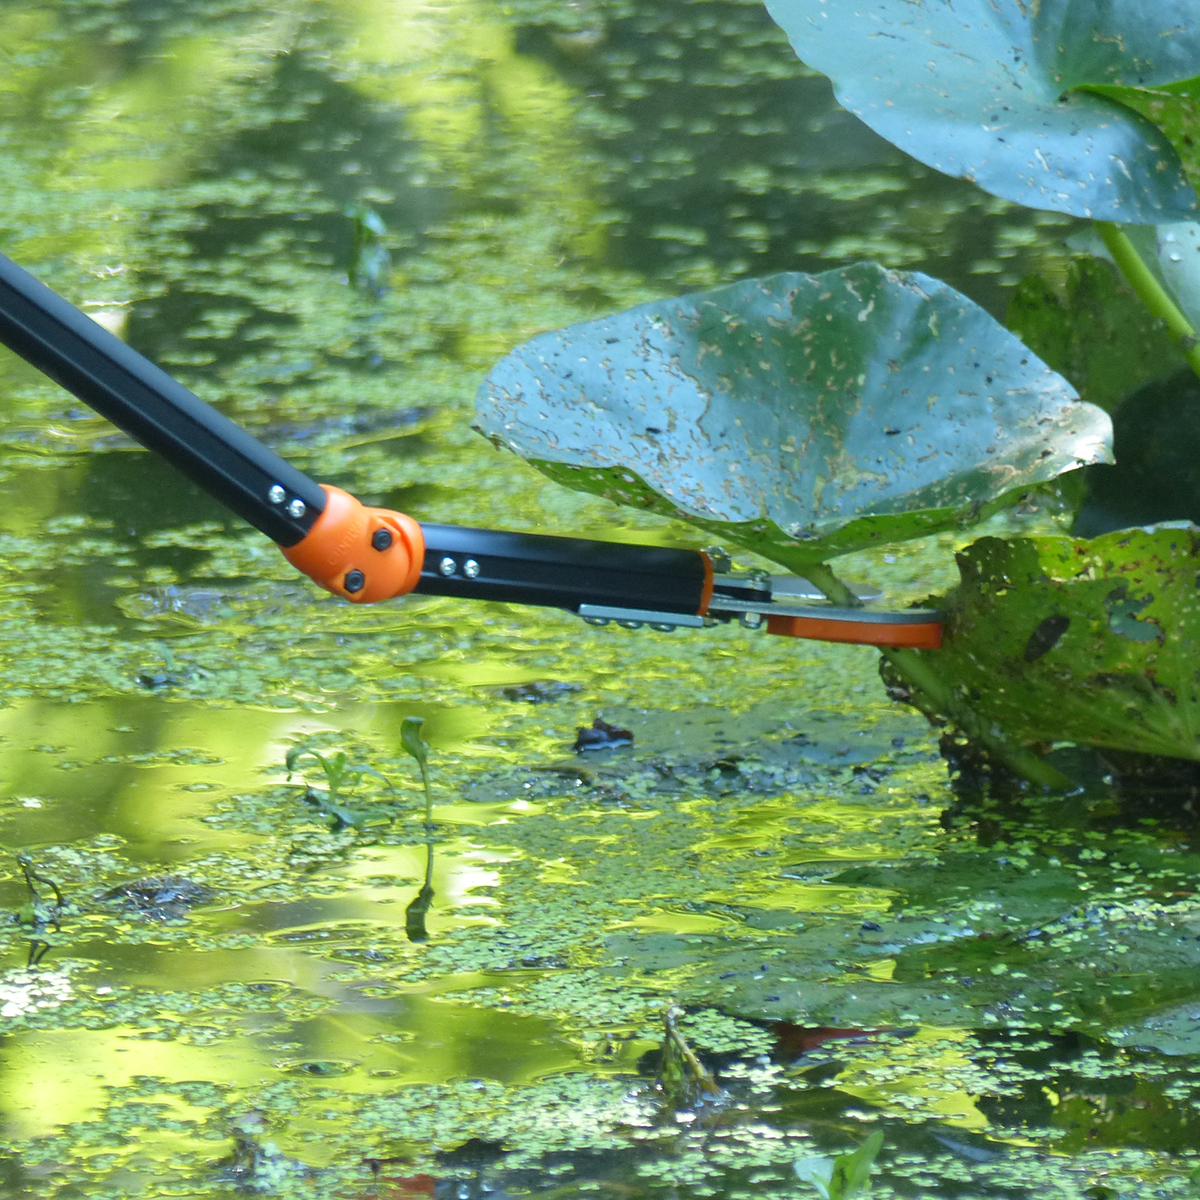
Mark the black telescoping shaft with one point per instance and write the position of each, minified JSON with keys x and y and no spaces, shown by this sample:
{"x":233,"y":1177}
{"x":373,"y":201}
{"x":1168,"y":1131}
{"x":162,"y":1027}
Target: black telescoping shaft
{"x":258,"y":485}
{"x":560,"y":572}
{"x":155,"y":409}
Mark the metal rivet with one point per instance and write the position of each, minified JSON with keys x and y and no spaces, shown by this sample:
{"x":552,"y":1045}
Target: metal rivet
{"x":447,"y":566}
{"x":297,"y":508}
{"x":355,"y":581}
{"x":471,"y":569}
{"x":276,"y":494}
{"x":630,"y":624}
{"x":381,"y":539}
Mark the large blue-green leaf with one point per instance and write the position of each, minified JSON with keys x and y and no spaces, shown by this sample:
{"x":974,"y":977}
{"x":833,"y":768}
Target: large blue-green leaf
{"x":802,"y":416}
{"x":987,"y":90}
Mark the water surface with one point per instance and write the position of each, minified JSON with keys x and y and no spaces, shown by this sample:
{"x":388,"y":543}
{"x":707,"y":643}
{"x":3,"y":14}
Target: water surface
{"x":780,"y":852}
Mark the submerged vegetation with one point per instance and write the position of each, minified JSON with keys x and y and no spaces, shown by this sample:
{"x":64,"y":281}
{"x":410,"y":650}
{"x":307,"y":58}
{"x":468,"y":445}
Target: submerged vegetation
{"x":251,"y":994}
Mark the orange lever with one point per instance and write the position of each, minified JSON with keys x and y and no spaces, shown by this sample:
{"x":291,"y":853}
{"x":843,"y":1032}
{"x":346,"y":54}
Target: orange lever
{"x":359,"y":553}
{"x":920,"y":635}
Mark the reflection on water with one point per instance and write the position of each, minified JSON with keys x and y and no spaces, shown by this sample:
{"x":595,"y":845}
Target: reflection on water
{"x":417,"y":912}
{"x":1004,"y":984}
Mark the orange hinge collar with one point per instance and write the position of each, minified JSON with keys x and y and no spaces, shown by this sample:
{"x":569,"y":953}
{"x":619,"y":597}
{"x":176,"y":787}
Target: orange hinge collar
{"x":359,"y":553}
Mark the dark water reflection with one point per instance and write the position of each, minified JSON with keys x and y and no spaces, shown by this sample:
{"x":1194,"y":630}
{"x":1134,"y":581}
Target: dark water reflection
{"x":779,"y":849}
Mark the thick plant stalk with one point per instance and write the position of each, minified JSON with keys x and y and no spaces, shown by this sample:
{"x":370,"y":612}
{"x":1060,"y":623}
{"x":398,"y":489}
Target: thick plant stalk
{"x":916,"y":671}
{"x":1150,"y":292}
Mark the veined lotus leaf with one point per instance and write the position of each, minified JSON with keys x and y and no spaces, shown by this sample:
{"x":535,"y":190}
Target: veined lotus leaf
{"x":802,"y":416}
{"x":1095,"y":642}
{"x":988,"y":90}
{"x":1173,"y":107}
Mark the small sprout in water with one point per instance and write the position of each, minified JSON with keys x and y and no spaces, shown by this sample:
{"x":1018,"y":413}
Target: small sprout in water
{"x":410,"y":739}
{"x":685,"y":1081}
{"x":339,"y":774}
{"x":37,"y":916}
{"x":418,"y":908}
{"x":844,"y":1176}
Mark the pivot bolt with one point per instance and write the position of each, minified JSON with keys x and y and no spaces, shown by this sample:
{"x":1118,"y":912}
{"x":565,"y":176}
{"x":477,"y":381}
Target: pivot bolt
{"x":297,"y":509}
{"x":355,"y":581}
{"x":276,"y":494}
{"x":381,"y":539}
{"x":447,"y":566}
{"x":471,"y":569}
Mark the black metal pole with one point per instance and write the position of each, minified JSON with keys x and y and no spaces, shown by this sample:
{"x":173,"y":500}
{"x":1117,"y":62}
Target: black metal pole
{"x":255,"y":483}
{"x":155,"y":409}
{"x":559,"y":572}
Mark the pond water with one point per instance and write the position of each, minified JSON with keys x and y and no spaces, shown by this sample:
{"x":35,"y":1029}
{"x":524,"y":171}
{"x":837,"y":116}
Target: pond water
{"x":245,"y":994}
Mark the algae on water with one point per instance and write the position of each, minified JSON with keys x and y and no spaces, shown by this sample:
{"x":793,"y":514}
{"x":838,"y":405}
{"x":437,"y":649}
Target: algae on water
{"x":1002,"y":984}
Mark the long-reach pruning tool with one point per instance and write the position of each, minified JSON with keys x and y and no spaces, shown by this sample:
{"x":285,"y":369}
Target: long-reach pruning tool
{"x":368,"y":554}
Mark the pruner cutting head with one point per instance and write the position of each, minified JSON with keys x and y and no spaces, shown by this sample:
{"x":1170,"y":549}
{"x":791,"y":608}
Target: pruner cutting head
{"x":786,"y":605}
{"x":789,"y":606}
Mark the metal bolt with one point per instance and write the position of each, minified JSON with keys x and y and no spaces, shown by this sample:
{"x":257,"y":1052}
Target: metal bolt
{"x":381,"y":539}
{"x":297,"y":508}
{"x":722,"y":564}
{"x":447,"y":566}
{"x":276,"y":494}
{"x":630,"y":624}
{"x":595,"y":620}
{"x":471,"y":569}
{"x":355,"y":581}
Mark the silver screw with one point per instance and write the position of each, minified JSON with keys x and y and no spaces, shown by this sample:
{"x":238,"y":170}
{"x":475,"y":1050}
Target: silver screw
{"x":595,"y":620}
{"x":276,"y":494}
{"x":297,"y":508}
{"x":471,"y":569}
{"x":722,"y":564}
{"x":630,"y":624}
{"x":447,"y":566}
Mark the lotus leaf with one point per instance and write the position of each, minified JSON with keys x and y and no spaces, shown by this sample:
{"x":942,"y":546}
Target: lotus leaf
{"x":1178,"y":249}
{"x":1173,"y":107}
{"x":1095,"y":642}
{"x":802,"y":416}
{"x":991,"y":90}
{"x":1093,"y":330}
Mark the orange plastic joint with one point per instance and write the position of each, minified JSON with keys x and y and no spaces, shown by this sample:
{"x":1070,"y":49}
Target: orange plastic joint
{"x":920,"y":635}
{"x":359,"y":553}
{"x":706,"y":593}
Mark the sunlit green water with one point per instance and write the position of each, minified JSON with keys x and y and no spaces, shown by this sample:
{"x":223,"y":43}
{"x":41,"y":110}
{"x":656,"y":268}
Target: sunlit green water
{"x":780,"y":844}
